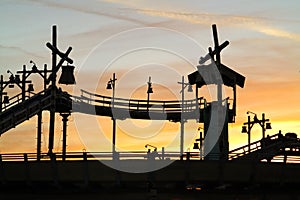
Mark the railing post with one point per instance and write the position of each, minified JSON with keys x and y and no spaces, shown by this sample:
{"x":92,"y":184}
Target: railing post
{"x":2,"y":171}
{"x":64,"y":147}
{"x":54,"y":169}
{"x":39,"y":136}
{"x":86,"y":169}
{"x":27,"y":172}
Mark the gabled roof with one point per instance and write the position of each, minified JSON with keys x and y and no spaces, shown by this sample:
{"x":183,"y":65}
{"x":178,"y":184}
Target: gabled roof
{"x":208,"y":74}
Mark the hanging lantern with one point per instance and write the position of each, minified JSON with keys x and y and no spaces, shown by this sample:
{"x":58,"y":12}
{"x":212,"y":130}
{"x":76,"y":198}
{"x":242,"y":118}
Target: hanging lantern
{"x":6,"y":99}
{"x":108,"y":86}
{"x":67,"y":75}
{"x":150,"y":90}
{"x":17,"y":79}
{"x":196,"y":145}
{"x":12,"y":79}
{"x":244,"y":129}
{"x":268,"y":125}
{"x":30,"y":88}
{"x":190,"y":88}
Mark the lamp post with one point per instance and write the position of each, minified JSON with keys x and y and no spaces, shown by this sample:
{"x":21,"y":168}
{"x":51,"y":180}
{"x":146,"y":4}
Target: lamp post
{"x":13,"y":79}
{"x":4,"y":100}
{"x":200,"y":144}
{"x":65,"y":79}
{"x":111,"y":85}
{"x":182,"y":120}
{"x":250,"y":124}
{"x":149,"y":91}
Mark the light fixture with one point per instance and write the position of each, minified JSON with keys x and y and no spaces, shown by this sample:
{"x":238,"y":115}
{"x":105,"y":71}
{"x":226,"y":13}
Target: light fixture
{"x":244,"y":129}
{"x":30,"y":88}
{"x":108,"y":86}
{"x":190,"y":88}
{"x":196,"y":145}
{"x":12,"y":78}
{"x":17,"y":79}
{"x":268,"y":125}
{"x":150,"y":90}
{"x":6,"y":99}
{"x":67,"y":75}
{"x":34,"y":68}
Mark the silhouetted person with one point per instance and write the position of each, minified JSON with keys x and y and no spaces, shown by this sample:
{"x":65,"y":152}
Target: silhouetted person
{"x":155,"y":154}
{"x":148,"y":154}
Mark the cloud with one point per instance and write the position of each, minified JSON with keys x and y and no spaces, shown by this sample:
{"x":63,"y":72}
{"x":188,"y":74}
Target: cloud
{"x":90,"y":9}
{"x":18,"y":49}
{"x":254,"y":23}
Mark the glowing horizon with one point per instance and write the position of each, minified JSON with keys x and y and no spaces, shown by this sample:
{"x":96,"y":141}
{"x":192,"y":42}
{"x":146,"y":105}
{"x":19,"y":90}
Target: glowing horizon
{"x":264,"y":47}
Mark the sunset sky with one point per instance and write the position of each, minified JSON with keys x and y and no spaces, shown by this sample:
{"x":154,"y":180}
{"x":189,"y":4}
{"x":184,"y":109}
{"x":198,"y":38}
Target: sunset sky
{"x":161,"y":39}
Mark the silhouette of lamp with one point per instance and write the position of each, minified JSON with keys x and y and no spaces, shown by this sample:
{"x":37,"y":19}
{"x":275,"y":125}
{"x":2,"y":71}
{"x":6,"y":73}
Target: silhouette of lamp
{"x":149,"y":91}
{"x":149,"y":145}
{"x":30,"y":88}
{"x":6,"y":99}
{"x":108,"y":86}
{"x":182,"y":120}
{"x":199,"y":143}
{"x":111,"y":85}
{"x":11,"y":79}
{"x":247,"y":126}
{"x":67,"y":75}
{"x":15,"y":79}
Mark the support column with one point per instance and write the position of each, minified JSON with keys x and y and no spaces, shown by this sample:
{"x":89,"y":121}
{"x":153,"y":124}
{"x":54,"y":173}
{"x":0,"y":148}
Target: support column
{"x":1,"y":92}
{"x":39,"y":136}
{"x":249,"y":134}
{"x":182,"y":120}
{"x":23,"y":83}
{"x":263,"y":125}
{"x":53,"y":95}
{"x":64,"y":145}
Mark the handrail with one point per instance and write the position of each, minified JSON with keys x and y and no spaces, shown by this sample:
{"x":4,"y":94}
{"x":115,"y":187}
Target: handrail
{"x":251,"y":144}
{"x":140,"y":155}
{"x":136,"y":104}
{"x":269,"y":146}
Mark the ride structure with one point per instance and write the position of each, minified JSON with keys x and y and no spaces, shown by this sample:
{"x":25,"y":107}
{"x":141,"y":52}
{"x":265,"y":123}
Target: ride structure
{"x":215,"y":116}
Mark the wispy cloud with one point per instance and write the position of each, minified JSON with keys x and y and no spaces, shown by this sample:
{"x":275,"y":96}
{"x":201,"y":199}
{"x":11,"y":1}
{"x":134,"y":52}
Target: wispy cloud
{"x":89,"y":9}
{"x":254,"y":23}
{"x":18,"y":49}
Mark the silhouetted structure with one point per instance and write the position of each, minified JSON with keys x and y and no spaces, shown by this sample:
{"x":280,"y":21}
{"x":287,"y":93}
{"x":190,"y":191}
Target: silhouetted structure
{"x":220,"y":165}
{"x":217,"y":74}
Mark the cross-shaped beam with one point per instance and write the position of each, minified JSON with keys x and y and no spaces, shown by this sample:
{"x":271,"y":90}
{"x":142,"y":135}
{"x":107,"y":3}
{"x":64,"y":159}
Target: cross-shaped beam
{"x":64,"y":57}
{"x":218,"y":48}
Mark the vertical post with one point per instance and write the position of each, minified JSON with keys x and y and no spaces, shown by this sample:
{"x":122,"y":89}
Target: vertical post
{"x":182,"y":119}
{"x":234,"y":100}
{"x":163,"y":153}
{"x":113,"y":118}
{"x":45,"y":77}
{"x":201,"y":143}
{"x":148,"y":93}
{"x":39,"y":136}
{"x":216,"y":41}
{"x":53,"y":94}
{"x":1,"y":92}
{"x":23,"y":83}
{"x":263,"y":125}
{"x":64,"y":146}
{"x":249,"y":133}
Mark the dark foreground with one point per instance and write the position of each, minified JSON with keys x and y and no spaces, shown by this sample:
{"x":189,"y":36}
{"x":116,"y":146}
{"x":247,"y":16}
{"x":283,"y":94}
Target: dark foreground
{"x":181,"y":180}
{"x":175,"y":191}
